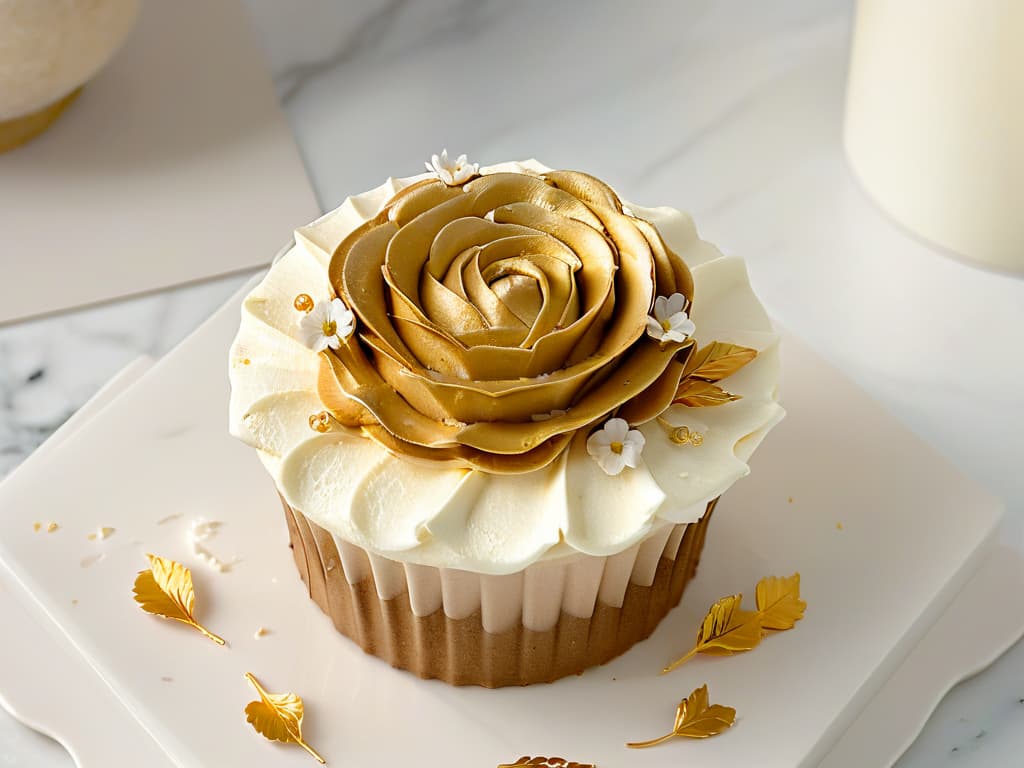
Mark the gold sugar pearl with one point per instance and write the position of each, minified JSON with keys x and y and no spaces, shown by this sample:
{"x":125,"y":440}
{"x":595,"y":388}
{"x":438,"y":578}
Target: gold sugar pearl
{"x":304,"y":302}
{"x":320,"y":422}
{"x":681,"y":435}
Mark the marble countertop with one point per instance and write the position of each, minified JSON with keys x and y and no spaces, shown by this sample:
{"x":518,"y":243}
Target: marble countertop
{"x":730,"y":110}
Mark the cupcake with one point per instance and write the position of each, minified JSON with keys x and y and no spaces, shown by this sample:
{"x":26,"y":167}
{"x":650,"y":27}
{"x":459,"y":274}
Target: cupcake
{"x":48,"y":50}
{"x":499,"y":406}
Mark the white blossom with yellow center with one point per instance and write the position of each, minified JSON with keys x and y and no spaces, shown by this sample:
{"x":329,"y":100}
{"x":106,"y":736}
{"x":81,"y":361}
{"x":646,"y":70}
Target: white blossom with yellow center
{"x":329,"y":324}
{"x":615,"y":446}
{"x":670,"y":321}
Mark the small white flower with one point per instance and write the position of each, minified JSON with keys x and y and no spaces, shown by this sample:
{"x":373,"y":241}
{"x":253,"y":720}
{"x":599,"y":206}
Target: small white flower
{"x":451,"y":172}
{"x":615,"y":446}
{"x":328,"y":324}
{"x":670,"y":321}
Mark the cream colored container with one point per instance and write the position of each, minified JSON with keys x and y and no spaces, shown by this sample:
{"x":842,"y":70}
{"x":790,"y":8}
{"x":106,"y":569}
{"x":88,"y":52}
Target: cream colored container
{"x":935,"y":121}
{"x":48,"y":50}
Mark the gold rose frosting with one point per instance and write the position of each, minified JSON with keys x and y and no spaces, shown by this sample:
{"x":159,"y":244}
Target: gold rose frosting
{"x":489,"y":372}
{"x":484,"y":305}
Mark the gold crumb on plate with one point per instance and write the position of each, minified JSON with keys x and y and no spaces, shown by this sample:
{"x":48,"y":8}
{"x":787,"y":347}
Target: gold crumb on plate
{"x":261,"y":632}
{"x":51,"y":527}
{"x":101,"y":533}
{"x":170,"y":518}
{"x":37,"y":526}
{"x":90,"y":560}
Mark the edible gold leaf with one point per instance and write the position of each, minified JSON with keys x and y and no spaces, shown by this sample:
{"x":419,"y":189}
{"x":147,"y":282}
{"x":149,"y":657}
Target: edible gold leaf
{"x":546,"y":762}
{"x":779,"y":603}
{"x":166,"y":590}
{"x":702,"y":394}
{"x":696,"y":718}
{"x":717,"y":360}
{"x":726,"y":629}
{"x":278,"y":717}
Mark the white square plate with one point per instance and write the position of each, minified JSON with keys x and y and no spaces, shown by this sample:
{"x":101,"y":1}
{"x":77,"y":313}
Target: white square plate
{"x":912,"y":532}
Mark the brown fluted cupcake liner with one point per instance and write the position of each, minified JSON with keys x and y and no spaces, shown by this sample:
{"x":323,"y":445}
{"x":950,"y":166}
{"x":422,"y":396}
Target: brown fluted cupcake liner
{"x":461,"y":650}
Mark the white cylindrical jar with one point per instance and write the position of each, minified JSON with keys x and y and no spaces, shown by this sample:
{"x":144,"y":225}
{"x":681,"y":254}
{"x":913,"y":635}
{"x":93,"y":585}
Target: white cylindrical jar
{"x":935,"y":121}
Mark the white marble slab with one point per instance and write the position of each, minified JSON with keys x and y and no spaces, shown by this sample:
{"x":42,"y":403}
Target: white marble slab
{"x":728,"y":109}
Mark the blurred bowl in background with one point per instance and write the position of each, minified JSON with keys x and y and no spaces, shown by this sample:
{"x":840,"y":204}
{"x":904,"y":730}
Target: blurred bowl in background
{"x":48,"y":50}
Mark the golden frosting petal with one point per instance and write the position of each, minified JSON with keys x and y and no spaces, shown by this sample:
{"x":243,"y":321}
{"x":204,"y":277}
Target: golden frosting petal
{"x":460,"y":234}
{"x":500,"y":189}
{"x":343,"y":408}
{"x":671,"y":273}
{"x":517,"y":400}
{"x":521,"y":295}
{"x":480,"y":295}
{"x":634,"y":282}
{"x":659,"y":395}
{"x":361,"y":382}
{"x":451,"y":309}
{"x":641,"y":368}
{"x":463,"y":457}
{"x":418,"y":198}
{"x":484,"y":305}
{"x":585,"y":187}
{"x":355,"y":272}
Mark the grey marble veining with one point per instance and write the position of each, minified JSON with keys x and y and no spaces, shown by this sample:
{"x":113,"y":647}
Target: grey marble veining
{"x":730,"y":110}
{"x":51,"y":365}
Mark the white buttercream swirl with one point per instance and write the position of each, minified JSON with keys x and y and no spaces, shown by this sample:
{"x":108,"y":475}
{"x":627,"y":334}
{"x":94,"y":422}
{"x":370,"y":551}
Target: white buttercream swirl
{"x":470,"y":520}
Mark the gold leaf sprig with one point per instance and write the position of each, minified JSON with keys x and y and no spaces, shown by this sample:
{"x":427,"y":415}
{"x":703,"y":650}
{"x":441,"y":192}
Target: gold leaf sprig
{"x":166,"y":590}
{"x":278,"y":717}
{"x":707,"y":365}
{"x":729,"y":629}
{"x":717,"y":360}
{"x":695,"y":393}
{"x":696,"y":718}
{"x":546,"y":762}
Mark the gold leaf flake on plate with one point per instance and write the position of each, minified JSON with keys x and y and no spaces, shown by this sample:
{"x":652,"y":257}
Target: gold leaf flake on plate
{"x":779,"y":603}
{"x":166,"y":590}
{"x":728,"y":628}
{"x":717,"y":361}
{"x":695,"y":393}
{"x":278,"y":717}
{"x":546,"y":762}
{"x":696,"y":718}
